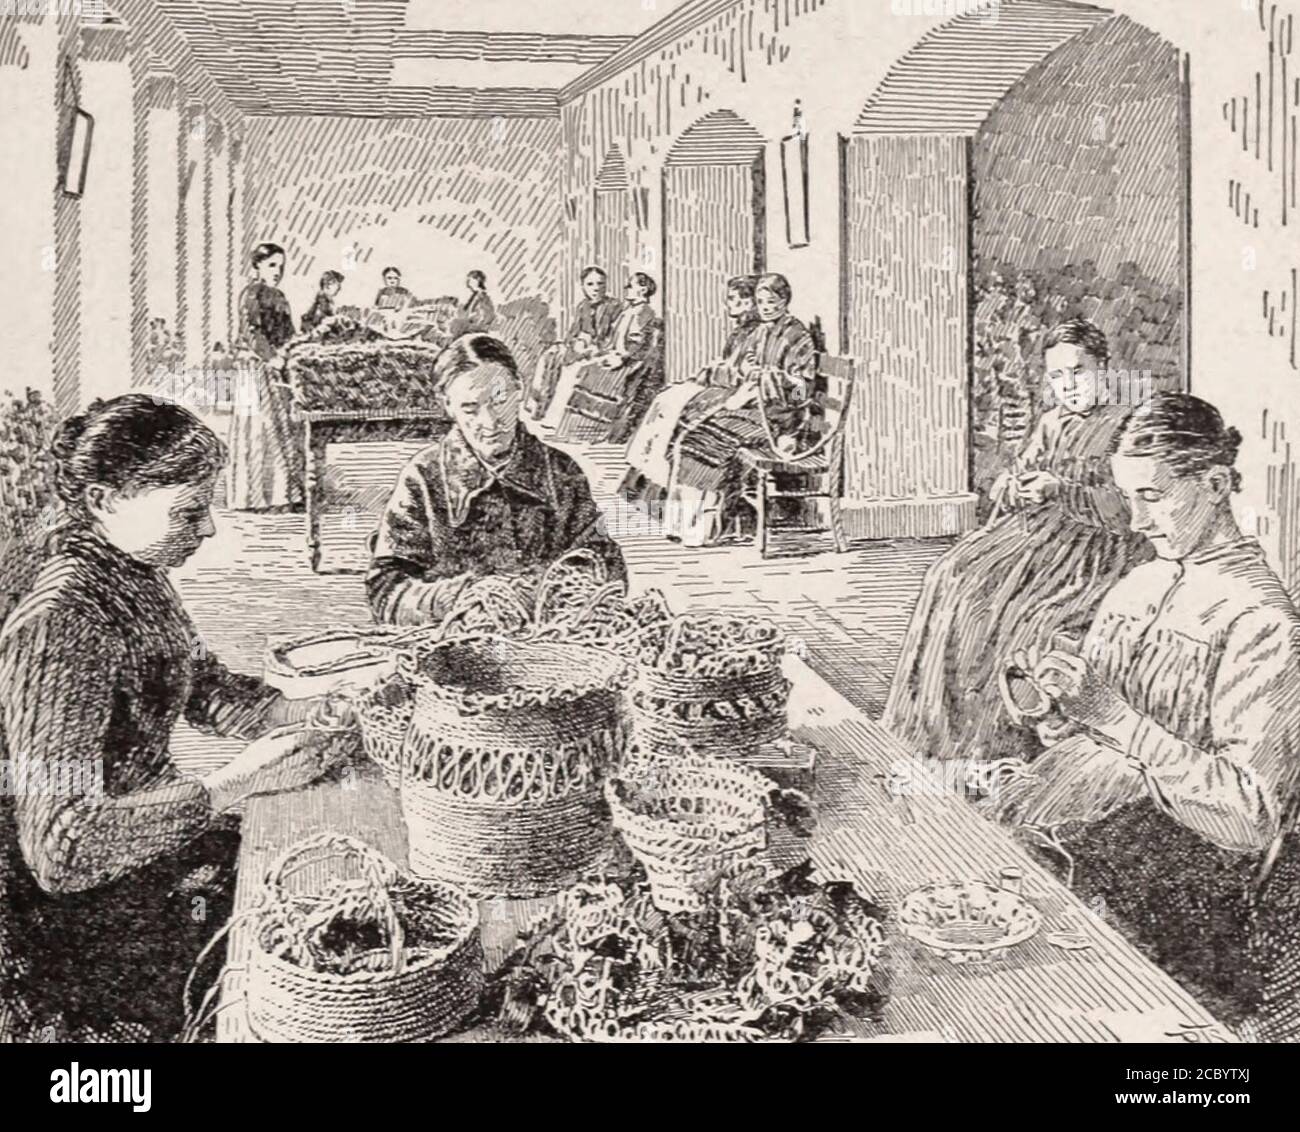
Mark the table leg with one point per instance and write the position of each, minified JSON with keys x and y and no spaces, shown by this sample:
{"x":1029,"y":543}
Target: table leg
{"x":315,"y":442}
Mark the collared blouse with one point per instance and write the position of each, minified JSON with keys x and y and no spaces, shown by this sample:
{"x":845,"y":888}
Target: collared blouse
{"x":452,"y":519}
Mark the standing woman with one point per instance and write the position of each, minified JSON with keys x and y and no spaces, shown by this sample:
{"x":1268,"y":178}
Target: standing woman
{"x":1058,"y":540}
{"x":266,"y":459}
{"x":114,"y":877}
{"x":1175,"y":779}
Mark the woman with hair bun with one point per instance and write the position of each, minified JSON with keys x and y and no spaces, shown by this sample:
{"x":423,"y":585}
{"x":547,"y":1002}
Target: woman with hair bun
{"x":1174,"y":773}
{"x":488,"y":498}
{"x":266,"y":457}
{"x":106,"y":847}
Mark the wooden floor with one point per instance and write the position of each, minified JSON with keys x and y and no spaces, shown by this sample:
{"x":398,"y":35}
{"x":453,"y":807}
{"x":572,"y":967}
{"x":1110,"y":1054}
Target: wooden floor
{"x":253,"y":580}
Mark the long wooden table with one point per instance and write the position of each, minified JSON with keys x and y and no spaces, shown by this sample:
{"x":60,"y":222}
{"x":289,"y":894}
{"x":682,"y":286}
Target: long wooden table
{"x":1037,"y":992}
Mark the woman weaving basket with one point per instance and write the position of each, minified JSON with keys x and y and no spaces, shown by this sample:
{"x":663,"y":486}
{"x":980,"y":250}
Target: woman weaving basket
{"x":1174,"y":769}
{"x":488,"y":498}
{"x":113,"y":877}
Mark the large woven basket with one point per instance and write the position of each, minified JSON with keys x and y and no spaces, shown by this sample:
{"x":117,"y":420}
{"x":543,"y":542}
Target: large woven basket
{"x":395,"y":1002}
{"x":734,"y":716}
{"x":505,"y":760}
{"x":385,"y":714}
{"x":691,"y":820}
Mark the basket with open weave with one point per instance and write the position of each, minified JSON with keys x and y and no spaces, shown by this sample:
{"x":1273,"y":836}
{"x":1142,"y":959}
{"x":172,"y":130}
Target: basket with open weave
{"x":505,"y":760}
{"x":384,"y":713}
{"x":712,"y":684}
{"x":691,"y":820}
{"x":383,"y":957}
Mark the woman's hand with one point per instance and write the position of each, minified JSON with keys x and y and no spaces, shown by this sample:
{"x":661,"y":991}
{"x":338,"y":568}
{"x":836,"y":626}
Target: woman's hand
{"x":748,"y":365}
{"x":335,"y":704}
{"x":1038,"y":487}
{"x":613,"y":360}
{"x":744,"y":396}
{"x":1083,"y":696}
{"x":287,"y":758}
{"x":1004,"y":492}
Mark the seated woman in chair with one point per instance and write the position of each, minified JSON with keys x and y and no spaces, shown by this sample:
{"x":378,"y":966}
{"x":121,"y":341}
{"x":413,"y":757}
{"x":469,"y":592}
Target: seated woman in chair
{"x":103,"y":875}
{"x":768,"y":408}
{"x":1057,"y":542}
{"x":488,"y":498}
{"x":586,"y":384}
{"x":678,"y":406}
{"x":1172,"y":780}
{"x":589,"y":336}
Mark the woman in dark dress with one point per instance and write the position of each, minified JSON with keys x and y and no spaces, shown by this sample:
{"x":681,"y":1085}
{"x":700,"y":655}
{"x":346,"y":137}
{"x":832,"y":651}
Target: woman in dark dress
{"x":1173,"y":774}
{"x":323,"y":306}
{"x":488,"y":498}
{"x":115,"y":866}
{"x":266,"y":458}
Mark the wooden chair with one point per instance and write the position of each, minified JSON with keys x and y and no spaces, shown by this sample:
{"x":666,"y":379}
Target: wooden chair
{"x":817,"y":474}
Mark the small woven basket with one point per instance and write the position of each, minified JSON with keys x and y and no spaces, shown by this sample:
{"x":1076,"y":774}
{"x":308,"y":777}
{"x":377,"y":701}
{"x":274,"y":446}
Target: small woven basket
{"x":691,"y":820}
{"x":409,"y":994}
{"x":733,"y":716}
{"x":505,"y":760}
{"x":385,"y":714}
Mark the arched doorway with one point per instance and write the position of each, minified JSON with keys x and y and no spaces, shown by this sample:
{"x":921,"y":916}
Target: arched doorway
{"x":714,"y":228}
{"x":984,"y":142}
{"x":612,"y":249}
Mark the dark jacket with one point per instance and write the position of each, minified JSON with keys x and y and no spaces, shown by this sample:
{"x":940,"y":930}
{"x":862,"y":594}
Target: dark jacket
{"x":596,"y":320}
{"x":319,"y":311}
{"x":265,"y":320}
{"x":98,"y":875}
{"x":451,"y":520}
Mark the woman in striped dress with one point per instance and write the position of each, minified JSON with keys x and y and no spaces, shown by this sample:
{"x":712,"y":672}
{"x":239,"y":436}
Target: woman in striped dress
{"x":769,"y":407}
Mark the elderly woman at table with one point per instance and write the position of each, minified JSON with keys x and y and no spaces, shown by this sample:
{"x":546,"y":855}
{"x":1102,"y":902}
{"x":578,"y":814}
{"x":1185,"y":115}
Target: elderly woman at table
{"x":117,"y":867}
{"x":1057,"y":542}
{"x":488,"y":498}
{"x":1174,"y":774}
{"x":768,"y":406}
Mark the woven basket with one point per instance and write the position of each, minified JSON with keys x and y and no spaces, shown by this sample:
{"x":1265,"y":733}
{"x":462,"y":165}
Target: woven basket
{"x":691,"y":820}
{"x":505,"y":760}
{"x":314,"y":665}
{"x":412,"y":1001}
{"x":733,"y":717}
{"x":385,"y":714}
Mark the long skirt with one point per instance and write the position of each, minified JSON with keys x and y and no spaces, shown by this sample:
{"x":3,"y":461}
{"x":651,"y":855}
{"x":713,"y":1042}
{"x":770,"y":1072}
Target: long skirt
{"x":110,"y":963}
{"x":705,"y":493}
{"x":1011,"y":585}
{"x":1199,"y":913}
{"x":266,"y":451}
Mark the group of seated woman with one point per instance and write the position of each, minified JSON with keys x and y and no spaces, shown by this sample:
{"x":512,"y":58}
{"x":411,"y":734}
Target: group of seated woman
{"x":684,"y":462}
{"x":1113,"y":580}
{"x":1114,"y":634}
{"x":595,"y":385}
{"x":98,"y":662}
